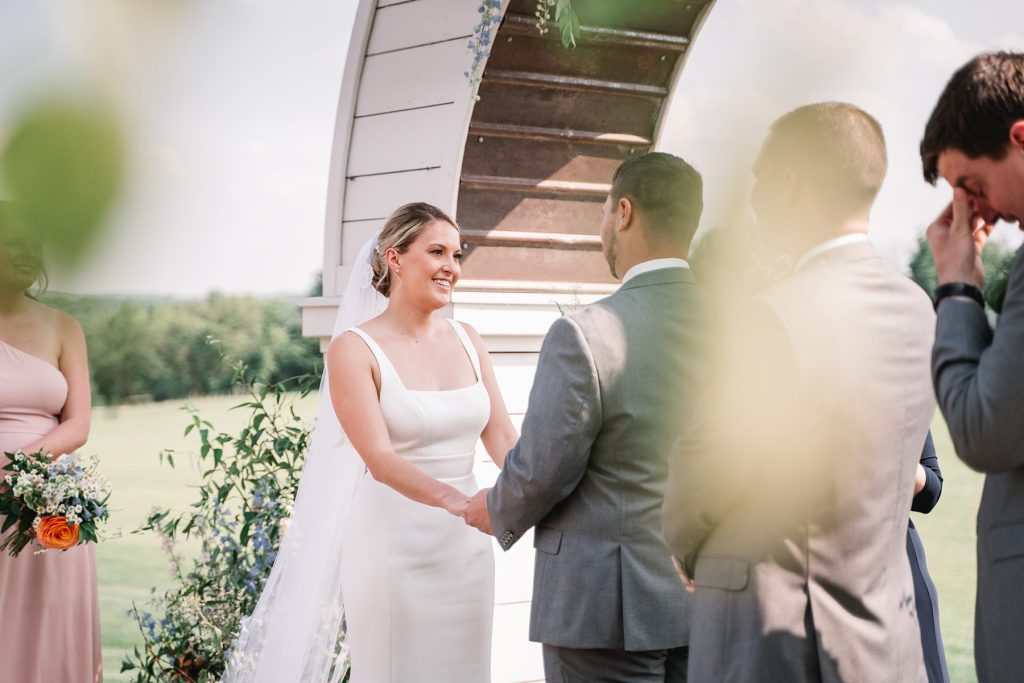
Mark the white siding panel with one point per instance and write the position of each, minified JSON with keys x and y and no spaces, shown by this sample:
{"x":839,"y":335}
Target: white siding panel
{"x":506,"y":327}
{"x":514,"y":659}
{"x":388,"y":3}
{"x":403,"y":140}
{"x":513,"y":572}
{"x":515,"y":321}
{"x":515,"y":380}
{"x":421,"y":22}
{"x":522,"y":320}
{"x":376,"y":196}
{"x":419,"y":77}
{"x":354,"y":235}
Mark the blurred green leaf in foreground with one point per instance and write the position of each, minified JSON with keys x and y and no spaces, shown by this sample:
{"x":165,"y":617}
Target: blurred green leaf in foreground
{"x":63,"y":164}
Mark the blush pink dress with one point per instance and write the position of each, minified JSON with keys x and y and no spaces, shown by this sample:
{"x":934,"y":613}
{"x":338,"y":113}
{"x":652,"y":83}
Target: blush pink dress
{"x":49,"y":614}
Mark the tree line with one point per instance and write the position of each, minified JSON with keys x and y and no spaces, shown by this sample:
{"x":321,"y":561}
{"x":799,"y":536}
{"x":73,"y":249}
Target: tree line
{"x":159,"y":349}
{"x":997,"y":260}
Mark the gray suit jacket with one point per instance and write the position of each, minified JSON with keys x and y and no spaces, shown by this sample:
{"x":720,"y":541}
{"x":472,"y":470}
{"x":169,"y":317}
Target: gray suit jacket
{"x":611,"y":392}
{"x":790,"y":505}
{"x":979,"y":381}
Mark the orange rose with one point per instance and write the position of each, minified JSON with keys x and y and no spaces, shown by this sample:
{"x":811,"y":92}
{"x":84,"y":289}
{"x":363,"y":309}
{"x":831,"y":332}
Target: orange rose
{"x":54,"y":533}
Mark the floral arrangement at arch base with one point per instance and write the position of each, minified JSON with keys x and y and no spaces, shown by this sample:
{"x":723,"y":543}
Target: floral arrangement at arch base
{"x":56,"y":502}
{"x":244,"y":500}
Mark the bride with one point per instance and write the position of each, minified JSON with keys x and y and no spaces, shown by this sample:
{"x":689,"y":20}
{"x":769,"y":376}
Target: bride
{"x":376,"y":547}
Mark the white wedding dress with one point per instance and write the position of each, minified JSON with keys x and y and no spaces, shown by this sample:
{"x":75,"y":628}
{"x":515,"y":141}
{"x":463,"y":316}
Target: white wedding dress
{"x":418,"y":582}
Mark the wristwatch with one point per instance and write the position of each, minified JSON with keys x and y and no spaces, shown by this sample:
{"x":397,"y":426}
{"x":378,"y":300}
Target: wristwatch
{"x":958,"y":289}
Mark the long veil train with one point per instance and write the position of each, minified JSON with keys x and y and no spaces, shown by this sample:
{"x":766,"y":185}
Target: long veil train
{"x":294,"y":633}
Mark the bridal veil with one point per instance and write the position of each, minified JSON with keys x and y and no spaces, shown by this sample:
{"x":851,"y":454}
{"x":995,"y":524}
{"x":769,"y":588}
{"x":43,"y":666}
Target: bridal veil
{"x":295,"y":633}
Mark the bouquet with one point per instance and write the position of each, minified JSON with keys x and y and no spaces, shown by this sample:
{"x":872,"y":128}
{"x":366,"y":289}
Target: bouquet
{"x":58,"y":502}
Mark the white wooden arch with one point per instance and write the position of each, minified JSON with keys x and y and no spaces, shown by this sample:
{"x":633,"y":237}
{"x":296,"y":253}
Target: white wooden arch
{"x":404,"y":124}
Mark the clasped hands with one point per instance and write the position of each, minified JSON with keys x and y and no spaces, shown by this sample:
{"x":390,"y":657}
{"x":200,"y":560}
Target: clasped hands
{"x":474,"y":511}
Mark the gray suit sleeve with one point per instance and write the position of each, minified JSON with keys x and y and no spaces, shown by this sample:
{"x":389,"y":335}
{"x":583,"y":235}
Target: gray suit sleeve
{"x":562,"y":420}
{"x":979,"y":378}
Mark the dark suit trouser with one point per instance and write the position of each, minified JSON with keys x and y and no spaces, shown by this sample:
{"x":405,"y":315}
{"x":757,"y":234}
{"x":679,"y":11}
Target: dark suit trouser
{"x":927,"y":603}
{"x":570,"y":665}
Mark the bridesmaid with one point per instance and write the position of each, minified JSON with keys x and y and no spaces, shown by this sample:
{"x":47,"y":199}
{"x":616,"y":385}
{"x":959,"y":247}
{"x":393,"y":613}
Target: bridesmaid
{"x":48,"y":604}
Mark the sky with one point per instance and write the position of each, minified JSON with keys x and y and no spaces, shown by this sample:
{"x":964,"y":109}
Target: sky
{"x":229,"y":110}
{"x":755,"y":60}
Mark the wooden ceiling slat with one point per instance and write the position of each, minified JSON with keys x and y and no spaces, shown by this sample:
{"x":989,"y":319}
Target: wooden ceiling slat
{"x":550,"y":128}
{"x":535,"y":185}
{"x":557,"y":82}
{"x":511,"y":130}
{"x":486,"y":262}
{"x":523,"y":25}
{"x":545,"y":108}
{"x":529,"y":212}
{"x":510,"y":238}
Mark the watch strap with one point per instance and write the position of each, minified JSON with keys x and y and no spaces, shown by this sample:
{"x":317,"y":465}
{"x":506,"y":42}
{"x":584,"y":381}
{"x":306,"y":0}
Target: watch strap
{"x":958,"y":289}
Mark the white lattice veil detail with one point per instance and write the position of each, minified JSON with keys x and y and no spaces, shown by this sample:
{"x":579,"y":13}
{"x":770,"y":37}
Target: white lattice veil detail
{"x":294,"y":633}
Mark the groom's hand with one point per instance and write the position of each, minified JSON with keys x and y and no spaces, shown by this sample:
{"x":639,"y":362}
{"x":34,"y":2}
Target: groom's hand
{"x":477,"y":515}
{"x":688,"y":583}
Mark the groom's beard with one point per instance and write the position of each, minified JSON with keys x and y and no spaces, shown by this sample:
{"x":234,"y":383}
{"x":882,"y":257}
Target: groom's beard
{"x":608,"y":247}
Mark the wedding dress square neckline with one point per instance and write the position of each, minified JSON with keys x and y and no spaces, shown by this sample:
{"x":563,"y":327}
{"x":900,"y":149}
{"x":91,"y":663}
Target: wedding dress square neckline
{"x":467,"y":347}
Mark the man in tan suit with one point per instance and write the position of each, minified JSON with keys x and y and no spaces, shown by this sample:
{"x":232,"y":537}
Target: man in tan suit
{"x":789,"y":505}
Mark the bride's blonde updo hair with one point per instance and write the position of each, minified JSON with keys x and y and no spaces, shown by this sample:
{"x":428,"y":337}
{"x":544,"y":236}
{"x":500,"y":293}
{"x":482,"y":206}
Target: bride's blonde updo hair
{"x":401,"y":230}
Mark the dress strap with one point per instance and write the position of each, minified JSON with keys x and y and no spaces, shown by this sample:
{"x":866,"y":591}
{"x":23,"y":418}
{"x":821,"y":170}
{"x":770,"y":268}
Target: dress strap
{"x":386,"y":368}
{"x":467,"y":343}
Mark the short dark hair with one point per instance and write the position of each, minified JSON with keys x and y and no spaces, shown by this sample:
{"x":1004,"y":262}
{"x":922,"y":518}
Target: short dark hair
{"x":975,"y":111}
{"x":13,"y":230}
{"x":838,"y":146}
{"x":668,"y":192}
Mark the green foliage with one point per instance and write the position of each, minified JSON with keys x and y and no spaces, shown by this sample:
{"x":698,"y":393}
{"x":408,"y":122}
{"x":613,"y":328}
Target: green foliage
{"x":248,"y":486}
{"x":173,"y":349}
{"x":317,"y":288}
{"x":64,"y":165}
{"x":490,"y":17}
{"x":996,"y":259}
{"x":574,"y":304}
{"x":568,"y":23}
{"x":997,"y":274}
{"x":922,"y":267}
{"x":565,"y":17}
{"x":480,"y":42}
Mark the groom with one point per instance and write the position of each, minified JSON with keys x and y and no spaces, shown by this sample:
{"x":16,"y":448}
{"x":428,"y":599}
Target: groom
{"x":611,"y":392}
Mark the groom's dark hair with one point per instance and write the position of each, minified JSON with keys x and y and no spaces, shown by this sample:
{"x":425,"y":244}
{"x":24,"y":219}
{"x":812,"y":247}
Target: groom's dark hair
{"x":668,"y":192}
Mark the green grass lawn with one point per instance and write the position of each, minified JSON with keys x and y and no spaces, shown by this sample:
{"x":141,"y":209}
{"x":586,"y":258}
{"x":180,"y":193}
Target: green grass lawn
{"x":129,"y":438}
